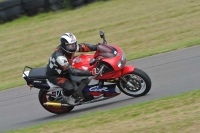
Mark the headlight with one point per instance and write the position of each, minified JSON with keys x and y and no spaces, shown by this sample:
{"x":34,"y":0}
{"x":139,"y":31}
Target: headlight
{"x":122,"y":62}
{"x":119,"y":64}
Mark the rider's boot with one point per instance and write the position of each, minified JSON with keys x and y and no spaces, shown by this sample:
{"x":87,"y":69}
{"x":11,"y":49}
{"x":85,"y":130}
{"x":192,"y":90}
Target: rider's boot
{"x":73,"y":99}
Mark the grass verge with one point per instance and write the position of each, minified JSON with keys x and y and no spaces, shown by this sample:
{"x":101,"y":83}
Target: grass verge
{"x":177,"y":114}
{"x":141,"y":28}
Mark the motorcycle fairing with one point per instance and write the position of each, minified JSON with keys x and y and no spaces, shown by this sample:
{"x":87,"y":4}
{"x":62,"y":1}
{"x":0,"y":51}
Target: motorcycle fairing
{"x":116,"y":74}
{"x":127,"y":70}
{"x":97,"y":91}
{"x":83,"y":61}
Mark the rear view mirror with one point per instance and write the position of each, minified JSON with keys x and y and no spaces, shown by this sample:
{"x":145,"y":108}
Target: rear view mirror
{"x":101,"y":34}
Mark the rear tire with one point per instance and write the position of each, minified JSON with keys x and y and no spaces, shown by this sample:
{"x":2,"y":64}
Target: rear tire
{"x":44,"y":97}
{"x":140,"y":80}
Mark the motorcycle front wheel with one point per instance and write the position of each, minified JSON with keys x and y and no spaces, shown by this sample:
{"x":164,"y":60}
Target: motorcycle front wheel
{"x":141,"y":83}
{"x":44,"y":96}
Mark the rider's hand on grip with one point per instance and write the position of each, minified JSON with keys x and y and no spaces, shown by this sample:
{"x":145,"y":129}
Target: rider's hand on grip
{"x":98,"y":43}
{"x":93,"y":71}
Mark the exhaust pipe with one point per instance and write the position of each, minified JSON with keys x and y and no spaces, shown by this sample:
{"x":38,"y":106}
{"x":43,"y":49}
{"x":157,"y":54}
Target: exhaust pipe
{"x":55,"y":104}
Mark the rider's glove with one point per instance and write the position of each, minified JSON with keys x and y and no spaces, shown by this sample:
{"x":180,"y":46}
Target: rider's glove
{"x":93,"y":71}
{"x":98,"y":43}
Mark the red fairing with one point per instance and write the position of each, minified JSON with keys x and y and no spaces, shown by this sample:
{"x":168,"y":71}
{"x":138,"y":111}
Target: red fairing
{"x":127,"y":70}
{"x":108,"y":53}
{"x":82,"y":62}
{"x":110,"y":75}
{"x":116,"y":74}
{"x":111,"y":60}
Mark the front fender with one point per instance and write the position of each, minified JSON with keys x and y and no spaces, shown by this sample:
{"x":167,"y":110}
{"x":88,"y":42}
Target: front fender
{"x":127,"y":70}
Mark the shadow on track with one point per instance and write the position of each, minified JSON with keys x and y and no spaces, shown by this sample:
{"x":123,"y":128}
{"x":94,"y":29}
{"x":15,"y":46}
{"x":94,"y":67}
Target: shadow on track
{"x":75,"y":113}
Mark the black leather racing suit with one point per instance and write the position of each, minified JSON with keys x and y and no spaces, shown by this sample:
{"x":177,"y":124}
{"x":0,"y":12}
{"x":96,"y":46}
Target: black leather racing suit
{"x":59,"y":66}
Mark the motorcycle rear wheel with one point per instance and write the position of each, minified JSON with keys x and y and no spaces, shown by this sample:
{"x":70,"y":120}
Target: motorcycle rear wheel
{"x":139,"y":79}
{"x":44,"y":97}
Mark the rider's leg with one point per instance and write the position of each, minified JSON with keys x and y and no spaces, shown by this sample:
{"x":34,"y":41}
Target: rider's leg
{"x":68,"y":89}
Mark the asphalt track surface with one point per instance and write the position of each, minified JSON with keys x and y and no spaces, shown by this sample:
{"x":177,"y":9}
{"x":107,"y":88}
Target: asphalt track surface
{"x":171,"y":73}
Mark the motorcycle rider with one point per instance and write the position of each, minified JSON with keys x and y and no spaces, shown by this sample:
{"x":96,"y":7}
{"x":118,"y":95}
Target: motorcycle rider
{"x":59,"y":66}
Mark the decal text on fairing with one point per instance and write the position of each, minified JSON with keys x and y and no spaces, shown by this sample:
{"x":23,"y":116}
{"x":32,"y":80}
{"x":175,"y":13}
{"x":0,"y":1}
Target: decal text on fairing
{"x":96,"y":88}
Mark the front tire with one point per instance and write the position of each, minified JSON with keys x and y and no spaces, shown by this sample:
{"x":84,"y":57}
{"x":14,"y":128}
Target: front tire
{"x":139,"y":79}
{"x":44,"y":97}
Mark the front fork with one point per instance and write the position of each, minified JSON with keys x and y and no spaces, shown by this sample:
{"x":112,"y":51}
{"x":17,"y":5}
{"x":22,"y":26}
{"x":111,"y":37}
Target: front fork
{"x":127,"y":70}
{"x":127,"y":82}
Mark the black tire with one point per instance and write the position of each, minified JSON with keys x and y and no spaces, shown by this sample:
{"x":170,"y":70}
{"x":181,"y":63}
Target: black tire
{"x":44,"y":98}
{"x":140,"y":80}
{"x":32,"y":4}
{"x":55,"y":1}
{"x":55,"y":5}
{"x":89,"y":1}
{"x":10,"y":13}
{"x":77,"y":3}
{"x":32,"y":7}
{"x":9,"y":4}
{"x":10,"y":9}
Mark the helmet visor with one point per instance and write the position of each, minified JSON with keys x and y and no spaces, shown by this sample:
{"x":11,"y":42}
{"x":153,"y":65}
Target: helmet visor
{"x":71,"y":47}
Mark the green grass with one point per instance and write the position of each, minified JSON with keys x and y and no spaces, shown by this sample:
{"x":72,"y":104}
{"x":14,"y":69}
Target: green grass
{"x":140,"y":27}
{"x":176,"y":114}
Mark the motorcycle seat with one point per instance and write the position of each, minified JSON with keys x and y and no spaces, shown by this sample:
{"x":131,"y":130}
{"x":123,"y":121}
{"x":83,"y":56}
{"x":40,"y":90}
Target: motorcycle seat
{"x":38,"y":73}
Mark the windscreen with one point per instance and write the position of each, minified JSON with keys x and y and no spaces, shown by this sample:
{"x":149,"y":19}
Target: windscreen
{"x":106,"y":51}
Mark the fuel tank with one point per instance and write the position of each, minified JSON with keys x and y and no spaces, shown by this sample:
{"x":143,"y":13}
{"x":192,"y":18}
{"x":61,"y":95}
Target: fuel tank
{"x":81,"y":62}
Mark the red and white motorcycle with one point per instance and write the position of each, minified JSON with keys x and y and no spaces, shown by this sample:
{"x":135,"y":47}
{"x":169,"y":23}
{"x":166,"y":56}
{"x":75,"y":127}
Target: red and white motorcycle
{"x":113,"y":77}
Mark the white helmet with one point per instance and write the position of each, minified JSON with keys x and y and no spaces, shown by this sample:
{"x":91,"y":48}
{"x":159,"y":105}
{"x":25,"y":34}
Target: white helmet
{"x":68,"y":42}
{"x":68,"y":38}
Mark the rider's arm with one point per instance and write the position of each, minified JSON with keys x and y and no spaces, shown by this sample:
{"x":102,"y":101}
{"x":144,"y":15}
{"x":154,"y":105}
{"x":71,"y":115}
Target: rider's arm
{"x":63,"y":62}
{"x":78,"y":72}
{"x":84,"y":47}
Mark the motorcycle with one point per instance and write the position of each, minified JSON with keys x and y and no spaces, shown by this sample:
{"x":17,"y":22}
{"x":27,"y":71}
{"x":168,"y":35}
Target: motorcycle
{"x":112,"y":78}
